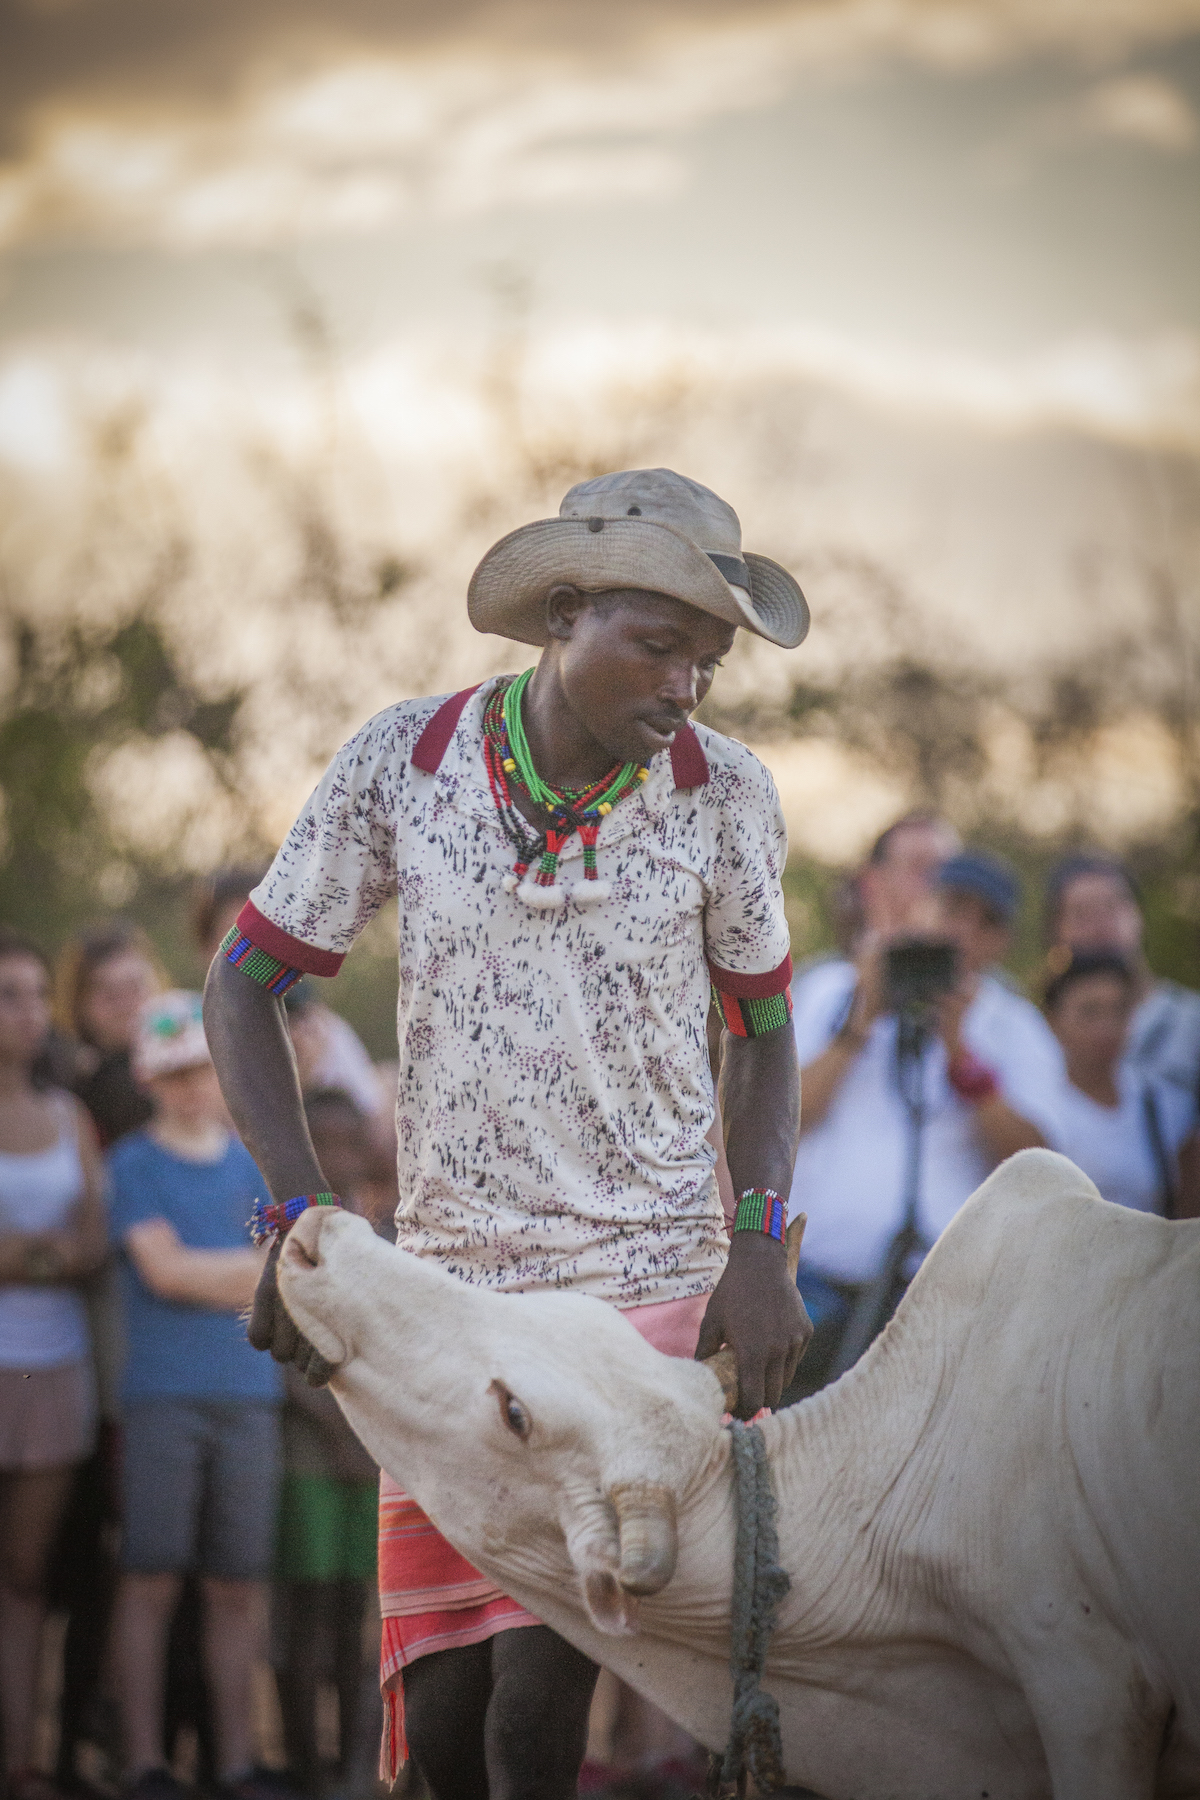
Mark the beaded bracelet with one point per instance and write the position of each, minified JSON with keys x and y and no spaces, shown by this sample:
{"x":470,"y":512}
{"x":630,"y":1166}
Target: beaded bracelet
{"x":761,"y":1209}
{"x":272,"y":1218}
{"x":276,"y":976}
{"x":971,"y":1079}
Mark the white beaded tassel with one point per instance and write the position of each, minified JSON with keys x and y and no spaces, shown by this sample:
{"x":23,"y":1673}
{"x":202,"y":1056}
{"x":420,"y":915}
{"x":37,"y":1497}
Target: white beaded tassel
{"x":542,"y":899}
{"x":590,"y":893}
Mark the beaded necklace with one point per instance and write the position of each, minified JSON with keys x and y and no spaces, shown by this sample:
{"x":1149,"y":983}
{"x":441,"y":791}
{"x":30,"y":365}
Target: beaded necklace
{"x":506,"y":755}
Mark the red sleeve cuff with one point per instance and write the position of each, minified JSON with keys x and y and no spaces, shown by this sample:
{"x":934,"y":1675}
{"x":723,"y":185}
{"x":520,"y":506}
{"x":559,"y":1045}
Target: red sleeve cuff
{"x":749,"y":987}
{"x":287,"y":949}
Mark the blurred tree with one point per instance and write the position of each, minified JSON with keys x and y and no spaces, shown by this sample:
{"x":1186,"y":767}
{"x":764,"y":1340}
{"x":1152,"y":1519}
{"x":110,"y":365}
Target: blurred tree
{"x":77,"y":693}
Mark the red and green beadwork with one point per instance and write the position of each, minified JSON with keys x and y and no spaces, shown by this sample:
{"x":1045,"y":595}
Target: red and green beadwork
{"x":507,"y":758}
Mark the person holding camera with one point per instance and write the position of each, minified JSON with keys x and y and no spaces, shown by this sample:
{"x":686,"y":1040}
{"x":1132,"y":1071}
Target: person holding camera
{"x":921,"y":1070}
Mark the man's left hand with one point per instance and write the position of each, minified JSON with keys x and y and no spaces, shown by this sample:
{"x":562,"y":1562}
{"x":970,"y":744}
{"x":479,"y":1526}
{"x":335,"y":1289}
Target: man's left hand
{"x":756,"y":1309}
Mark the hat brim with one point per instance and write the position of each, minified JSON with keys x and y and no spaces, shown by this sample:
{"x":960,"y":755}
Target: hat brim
{"x":507,"y":594}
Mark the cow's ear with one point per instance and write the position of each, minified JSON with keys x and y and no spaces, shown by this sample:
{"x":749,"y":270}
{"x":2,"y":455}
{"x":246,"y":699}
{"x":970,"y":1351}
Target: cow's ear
{"x":610,"y":1608}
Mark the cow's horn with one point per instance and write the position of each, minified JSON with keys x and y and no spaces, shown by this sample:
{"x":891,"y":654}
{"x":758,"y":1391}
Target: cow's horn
{"x":649,"y":1541}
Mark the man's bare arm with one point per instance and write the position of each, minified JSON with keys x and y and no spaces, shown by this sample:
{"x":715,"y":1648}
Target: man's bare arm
{"x":248,"y":1037}
{"x":755,"y":1307}
{"x":1003,"y":1130}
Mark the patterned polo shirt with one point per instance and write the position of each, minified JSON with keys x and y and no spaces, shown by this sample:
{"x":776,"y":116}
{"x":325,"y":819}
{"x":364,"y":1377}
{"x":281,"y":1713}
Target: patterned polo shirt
{"x":554,"y":1088}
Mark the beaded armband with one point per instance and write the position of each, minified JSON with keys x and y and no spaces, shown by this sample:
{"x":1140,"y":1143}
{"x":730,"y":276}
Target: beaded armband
{"x":753,"y":1018}
{"x":272,"y":1218}
{"x":761,"y":1209}
{"x":258,"y":964}
{"x":970,"y":1078}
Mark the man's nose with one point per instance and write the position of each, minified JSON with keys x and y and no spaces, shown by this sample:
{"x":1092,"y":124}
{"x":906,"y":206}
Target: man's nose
{"x":682,"y":685}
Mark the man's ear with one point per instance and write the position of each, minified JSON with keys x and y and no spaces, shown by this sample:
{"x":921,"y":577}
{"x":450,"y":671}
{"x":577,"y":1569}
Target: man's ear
{"x":563,"y":607}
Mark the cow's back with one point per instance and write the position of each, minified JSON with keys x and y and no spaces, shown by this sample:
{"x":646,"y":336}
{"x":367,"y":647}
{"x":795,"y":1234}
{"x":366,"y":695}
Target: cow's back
{"x":1132,"y":1406}
{"x":1078,"y":1325}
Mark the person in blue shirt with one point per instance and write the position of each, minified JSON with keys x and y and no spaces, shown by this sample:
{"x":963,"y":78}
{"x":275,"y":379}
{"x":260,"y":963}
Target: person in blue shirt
{"x":200,"y":1408}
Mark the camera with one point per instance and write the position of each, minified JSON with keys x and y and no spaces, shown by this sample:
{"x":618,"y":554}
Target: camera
{"x":917,"y":972}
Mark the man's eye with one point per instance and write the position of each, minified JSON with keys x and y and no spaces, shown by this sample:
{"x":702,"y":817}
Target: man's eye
{"x":656,"y":649}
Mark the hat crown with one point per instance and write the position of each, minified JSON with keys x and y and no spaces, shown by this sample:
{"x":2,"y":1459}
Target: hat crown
{"x":661,"y":497}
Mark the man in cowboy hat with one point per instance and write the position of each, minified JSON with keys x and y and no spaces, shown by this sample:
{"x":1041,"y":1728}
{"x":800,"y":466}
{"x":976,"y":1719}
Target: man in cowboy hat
{"x":579,"y":870}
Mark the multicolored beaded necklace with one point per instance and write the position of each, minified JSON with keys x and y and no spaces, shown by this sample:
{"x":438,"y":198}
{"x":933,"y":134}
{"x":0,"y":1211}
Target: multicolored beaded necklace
{"x":506,"y":757}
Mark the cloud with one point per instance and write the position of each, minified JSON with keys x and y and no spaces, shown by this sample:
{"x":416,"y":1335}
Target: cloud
{"x":348,"y":120}
{"x":1140,"y":109}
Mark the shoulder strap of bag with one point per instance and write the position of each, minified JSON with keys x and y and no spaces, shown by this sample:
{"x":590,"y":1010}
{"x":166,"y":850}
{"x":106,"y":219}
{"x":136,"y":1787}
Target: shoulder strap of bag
{"x":1158,"y":1147}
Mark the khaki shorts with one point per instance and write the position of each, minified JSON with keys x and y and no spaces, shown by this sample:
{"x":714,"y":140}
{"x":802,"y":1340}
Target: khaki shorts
{"x":47,"y":1417}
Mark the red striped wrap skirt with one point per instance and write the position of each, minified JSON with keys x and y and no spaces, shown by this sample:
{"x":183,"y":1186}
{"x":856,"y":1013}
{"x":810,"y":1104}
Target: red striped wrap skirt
{"x":430,"y":1596}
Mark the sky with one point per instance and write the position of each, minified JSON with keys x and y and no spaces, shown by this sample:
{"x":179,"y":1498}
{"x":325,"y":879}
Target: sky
{"x":934,"y":268}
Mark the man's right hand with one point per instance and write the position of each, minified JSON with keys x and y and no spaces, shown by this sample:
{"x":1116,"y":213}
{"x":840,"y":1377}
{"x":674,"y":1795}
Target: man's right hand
{"x":271,"y":1327}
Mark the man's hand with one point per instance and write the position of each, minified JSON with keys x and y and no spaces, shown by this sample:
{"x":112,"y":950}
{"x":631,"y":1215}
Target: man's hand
{"x":951,"y":1010}
{"x":271,"y":1327}
{"x":756,"y":1309}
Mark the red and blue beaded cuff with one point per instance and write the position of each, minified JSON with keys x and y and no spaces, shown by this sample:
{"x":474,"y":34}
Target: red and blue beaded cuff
{"x":272,"y":1218}
{"x":267,"y":970}
{"x":273,"y":957}
{"x":752,"y":1005}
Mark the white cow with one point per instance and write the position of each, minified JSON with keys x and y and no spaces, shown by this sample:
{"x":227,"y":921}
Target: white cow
{"x":992,"y":1524}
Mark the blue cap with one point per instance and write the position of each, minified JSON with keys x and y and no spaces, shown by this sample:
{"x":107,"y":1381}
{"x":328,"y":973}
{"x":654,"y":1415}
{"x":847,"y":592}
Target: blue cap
{"x":987,"y":877}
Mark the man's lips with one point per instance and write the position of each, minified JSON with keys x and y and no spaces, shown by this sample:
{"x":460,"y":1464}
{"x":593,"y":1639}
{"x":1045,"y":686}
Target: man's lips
{"x":663,"y":729}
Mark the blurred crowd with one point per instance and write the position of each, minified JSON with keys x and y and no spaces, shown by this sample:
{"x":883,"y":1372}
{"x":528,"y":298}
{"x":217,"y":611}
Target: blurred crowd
{"x":924,"y":1065}
{"x":179,"y":1502}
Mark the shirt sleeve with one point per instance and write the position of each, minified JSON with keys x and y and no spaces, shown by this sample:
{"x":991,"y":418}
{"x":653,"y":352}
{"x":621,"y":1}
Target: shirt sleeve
{"x":334,"y":871}
{"x":746,"y":937}
{"x":1025,"y":1054}
{"x":822,"y":996}
{"x":132,"y":1193}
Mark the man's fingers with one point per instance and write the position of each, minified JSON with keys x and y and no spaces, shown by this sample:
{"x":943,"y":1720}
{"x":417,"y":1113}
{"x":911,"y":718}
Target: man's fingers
{"x":711,"y":1335}
{"x":773,"y":1382}
{"x":318,"y":1370}
{"x":261,"y":1329}
{"x":751,"y":1386}
{"x":286,"y":1337}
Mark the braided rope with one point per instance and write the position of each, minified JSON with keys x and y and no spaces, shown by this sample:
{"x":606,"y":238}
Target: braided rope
{"x":759,"y":1584}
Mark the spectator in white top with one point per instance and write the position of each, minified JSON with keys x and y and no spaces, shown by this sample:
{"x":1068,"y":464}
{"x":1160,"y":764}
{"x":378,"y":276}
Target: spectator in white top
{"x":1124,"y":1128}
{"x":989,"y":1073}
{"x":1092,"y":903}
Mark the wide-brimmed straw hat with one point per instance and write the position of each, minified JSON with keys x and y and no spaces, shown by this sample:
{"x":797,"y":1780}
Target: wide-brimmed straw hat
{"x":640,"y":528}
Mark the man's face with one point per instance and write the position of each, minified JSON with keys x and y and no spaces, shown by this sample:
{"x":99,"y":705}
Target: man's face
{"x":634,"y":665}
{"x":979,"y":937}
{"x":1097,"y":912}
{"x":898,"y":893}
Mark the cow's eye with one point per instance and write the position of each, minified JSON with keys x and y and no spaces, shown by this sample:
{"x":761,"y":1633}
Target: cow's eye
{"x":512,"y":1413}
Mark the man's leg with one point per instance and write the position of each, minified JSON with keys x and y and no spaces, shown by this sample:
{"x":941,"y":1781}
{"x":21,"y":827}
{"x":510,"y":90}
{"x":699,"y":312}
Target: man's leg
{"x":160,"y":1491}
{"x":446,"y":1699}
{"x":537,"y":1718}
{"x":140,"y":1620}
{"x":236,"y":1545}
{"x":234,"y":1615}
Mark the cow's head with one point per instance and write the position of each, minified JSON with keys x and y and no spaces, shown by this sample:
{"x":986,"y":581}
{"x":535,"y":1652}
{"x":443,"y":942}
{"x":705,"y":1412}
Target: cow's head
{"x":522,"y":1423}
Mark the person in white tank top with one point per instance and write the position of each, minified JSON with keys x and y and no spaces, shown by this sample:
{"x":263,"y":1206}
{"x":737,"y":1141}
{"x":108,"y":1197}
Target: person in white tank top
{"x":52,"y":1236}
